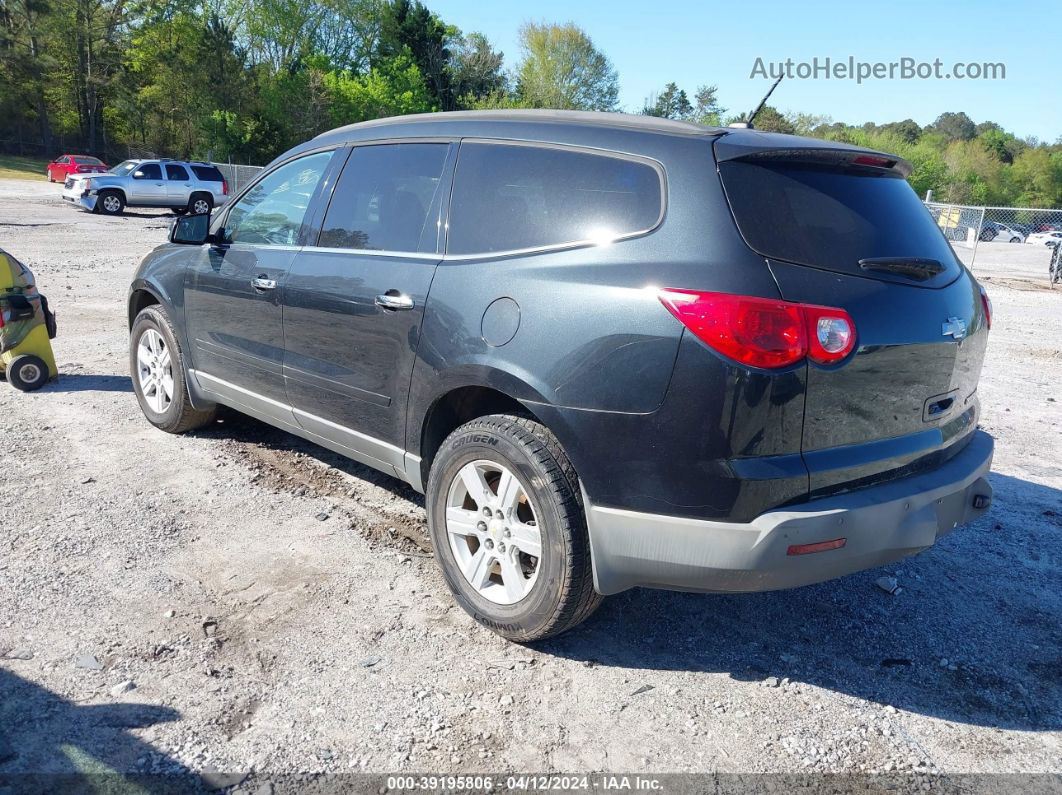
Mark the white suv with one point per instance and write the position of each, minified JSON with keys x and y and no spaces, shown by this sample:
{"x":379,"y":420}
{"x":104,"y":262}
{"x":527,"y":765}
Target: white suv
{"x":178,"y":185}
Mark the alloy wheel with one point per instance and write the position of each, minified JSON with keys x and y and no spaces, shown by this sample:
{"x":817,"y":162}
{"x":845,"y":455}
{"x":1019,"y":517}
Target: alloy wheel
{"x":155,"y":371}
{"x":493,"y":531}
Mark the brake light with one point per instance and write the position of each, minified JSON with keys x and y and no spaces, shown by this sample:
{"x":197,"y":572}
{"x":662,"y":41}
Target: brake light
{"x":986,"y":302}
{"x":224,"y":187}
{"x":763,"y":332}
{"x":878,"y":162}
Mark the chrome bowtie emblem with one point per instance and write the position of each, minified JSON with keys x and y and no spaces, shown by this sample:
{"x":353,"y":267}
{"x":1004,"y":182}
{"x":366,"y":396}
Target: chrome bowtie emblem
{"x":954,"y":327}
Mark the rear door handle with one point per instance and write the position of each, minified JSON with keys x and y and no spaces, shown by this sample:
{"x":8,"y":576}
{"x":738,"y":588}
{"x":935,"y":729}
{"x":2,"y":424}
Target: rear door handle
{"x":262,"y":283}
{"x":394,"y":300}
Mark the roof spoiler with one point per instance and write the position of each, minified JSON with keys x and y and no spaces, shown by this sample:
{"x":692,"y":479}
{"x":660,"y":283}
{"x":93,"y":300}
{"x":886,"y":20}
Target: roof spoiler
{"x":811,"y":153}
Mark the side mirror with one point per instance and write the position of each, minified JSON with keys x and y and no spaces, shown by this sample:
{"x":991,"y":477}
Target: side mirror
{"x":191,"y":230}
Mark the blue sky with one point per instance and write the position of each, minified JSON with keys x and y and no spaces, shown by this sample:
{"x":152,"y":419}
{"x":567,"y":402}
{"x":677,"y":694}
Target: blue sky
{"x":693,"y":43}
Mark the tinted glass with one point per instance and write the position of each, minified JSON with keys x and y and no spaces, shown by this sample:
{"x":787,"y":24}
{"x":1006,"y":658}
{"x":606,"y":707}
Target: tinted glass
{"x":381,"y":200}
{"x":207,"y":173}
{"x":830,"y":218}
{"x":176,"y":172}
{"x":148,"y":171}
{"x":515,"y":197}
{"x":271,"y":212}
{"x":88,"y":161}
{"x":63,"y":159}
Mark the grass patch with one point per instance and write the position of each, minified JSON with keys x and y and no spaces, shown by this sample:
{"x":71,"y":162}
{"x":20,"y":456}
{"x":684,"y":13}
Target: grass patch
{"x":12,"y":167}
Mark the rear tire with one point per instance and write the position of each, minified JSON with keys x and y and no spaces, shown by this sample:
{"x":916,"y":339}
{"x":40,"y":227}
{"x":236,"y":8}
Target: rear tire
{"x":555,"y":591}
{"x":28,"y":372}
{"x":200,"y":204}
{"x":157,"y":367}
{"x":110,"y":202}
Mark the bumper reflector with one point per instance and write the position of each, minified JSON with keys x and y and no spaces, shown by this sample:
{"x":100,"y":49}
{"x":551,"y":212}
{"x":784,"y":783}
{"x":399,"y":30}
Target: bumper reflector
{"x":821,"y":546}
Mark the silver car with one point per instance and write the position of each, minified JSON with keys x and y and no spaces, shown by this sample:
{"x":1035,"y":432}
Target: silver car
{"x":178,"y":185}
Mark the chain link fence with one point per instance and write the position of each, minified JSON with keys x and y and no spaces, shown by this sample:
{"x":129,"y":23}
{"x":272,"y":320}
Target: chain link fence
{"x":1023,"y":242}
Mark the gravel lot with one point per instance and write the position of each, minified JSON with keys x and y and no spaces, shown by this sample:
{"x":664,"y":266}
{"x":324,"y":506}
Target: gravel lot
{"x":238,"y":600}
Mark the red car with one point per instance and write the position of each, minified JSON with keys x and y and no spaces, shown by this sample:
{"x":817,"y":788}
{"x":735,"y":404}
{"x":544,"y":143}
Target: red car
{"x":60,"y":168}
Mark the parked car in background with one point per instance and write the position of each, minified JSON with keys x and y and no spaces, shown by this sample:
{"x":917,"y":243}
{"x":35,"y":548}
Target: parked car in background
{"x":613,"y":350}
{"x":62,"y":167}
{"x":1001,"y":233}
{"x":178,"y":185}
{"x":1044,"y":238}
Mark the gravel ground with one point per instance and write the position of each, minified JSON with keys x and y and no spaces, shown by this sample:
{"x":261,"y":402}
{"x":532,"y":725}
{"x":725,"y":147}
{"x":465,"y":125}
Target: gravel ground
{"x":239,"y":600}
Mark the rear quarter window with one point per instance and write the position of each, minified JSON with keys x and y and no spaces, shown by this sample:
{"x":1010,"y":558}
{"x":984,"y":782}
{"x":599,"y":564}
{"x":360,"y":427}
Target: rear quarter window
{"x":208,"y":173}
{"x":516,"y":197}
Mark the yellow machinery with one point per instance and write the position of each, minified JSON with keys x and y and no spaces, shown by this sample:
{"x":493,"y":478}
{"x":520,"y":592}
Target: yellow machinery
{"x":26,"y":328}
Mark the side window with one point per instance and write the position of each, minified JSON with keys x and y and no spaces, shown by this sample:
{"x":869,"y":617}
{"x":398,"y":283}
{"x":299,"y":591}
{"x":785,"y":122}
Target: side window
{"x":271,"y":212}
{"x":148,"y":171}
{"x":382,"y":198}
{"x":507,"y":198}
{"x":176,"y":172}
{"x":63,"y":159}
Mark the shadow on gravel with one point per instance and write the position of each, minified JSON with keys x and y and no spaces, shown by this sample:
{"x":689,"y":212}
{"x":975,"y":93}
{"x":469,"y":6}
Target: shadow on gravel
{"x":75,"y":382}
{"x":975,"y":636}
{"x":51,"y":745}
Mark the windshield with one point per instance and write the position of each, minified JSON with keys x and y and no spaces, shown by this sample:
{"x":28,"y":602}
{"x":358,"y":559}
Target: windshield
{"x":124,"y":167}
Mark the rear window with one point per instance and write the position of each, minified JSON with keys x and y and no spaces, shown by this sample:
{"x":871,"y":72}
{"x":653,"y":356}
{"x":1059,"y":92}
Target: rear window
{"x":88,"y":161}
{"x":208,"y":173}
{"x":509,"y":197}
{"x":829,"y":218}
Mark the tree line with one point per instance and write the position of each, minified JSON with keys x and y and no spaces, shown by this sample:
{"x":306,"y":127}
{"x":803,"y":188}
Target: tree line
{"x":243,"y":81}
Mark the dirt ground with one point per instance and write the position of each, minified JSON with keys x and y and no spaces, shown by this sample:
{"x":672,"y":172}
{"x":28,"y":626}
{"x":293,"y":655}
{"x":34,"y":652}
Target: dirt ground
{"x":238,"y":600}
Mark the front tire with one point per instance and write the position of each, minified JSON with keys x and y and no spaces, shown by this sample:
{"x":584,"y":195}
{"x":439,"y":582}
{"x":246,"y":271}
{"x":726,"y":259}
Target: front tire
{"x":110,"y":202}
{"x":524,"y":570}
{"x":157,"y":367}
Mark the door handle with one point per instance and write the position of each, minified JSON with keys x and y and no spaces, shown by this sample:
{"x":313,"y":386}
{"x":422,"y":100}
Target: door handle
{"x":394,"y":300}
{"x":262,"y":283}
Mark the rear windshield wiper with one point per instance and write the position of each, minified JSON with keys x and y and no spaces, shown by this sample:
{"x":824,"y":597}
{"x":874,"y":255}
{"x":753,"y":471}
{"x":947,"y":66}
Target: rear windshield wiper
{"x":912,"y":267}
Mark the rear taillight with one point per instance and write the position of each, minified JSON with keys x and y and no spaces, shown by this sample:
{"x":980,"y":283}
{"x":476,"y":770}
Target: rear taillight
{"x":763,"y":332}
{"x":224,"y":188}
{"x":986,"y":302}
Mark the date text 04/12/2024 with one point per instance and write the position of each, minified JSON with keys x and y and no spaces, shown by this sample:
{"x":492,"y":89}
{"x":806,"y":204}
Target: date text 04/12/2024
{"x":526,"y":783}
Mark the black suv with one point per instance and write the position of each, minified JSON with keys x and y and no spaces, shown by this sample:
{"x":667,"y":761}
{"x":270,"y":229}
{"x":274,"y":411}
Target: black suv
{"x":612,"y":350}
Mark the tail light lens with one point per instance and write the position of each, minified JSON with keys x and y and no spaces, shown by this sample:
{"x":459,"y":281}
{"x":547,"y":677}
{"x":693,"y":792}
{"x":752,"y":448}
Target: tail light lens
{"x":224,"y":187}
{"x":763,"y":332}
{"x":986,"y":302}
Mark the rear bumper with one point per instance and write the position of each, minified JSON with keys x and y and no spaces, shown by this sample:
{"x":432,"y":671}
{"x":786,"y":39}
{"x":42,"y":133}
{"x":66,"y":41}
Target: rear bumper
{"x":879,"y":523}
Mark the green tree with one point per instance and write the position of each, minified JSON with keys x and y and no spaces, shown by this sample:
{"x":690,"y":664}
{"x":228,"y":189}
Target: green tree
{"x":954,"y":126}
{"x":475,"y":69}
{"x":671,"y":103}
{"x":561,"y":68}
{"x":409,"y":28}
